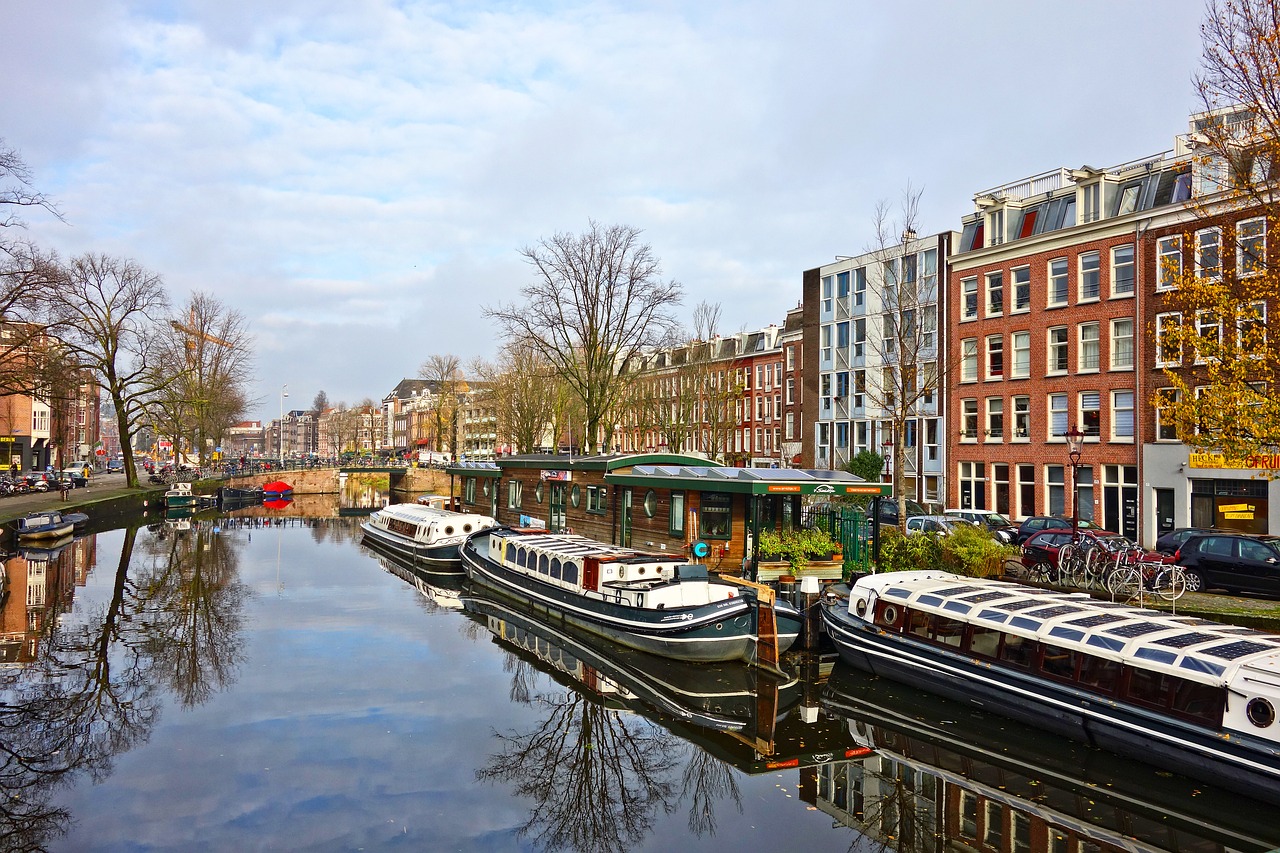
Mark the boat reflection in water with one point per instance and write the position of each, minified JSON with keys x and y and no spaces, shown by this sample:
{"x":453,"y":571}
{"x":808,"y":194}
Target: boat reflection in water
{"x":441,"y":587}
{"x":945,"y":775}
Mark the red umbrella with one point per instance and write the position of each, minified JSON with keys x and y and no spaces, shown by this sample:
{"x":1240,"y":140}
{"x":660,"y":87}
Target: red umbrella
{"x":277,"y":487}
{"x":277,"y":503}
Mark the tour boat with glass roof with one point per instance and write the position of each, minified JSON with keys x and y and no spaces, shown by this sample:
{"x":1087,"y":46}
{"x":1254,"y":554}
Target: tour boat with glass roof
{"x":419,"y":532}
{"x":1182,"y":692}
{"x":659,"y":603}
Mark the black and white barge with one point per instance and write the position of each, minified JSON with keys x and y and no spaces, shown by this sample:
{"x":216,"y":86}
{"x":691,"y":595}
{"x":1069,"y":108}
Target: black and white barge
{"x":1188,"y":694}
{"x":658,"y":603}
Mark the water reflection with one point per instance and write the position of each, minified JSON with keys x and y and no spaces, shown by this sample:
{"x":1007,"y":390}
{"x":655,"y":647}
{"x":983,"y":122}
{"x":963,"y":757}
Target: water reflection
{"x":945,"y":774}
{"x":91,"y":688}
{"x":628,"y":740}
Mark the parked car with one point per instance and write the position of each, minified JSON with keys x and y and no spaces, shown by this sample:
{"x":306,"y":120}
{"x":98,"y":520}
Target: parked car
{"x":1170,"y":542}
{"x":76,"y":476}
{"x":1043,"y":547}
{"x":115,"y":465}
{"x":932,"y":524}
{"x":1033,"y":525}
{"x":1236,"y":562}
{"x":889,"y":510}
{"x":998,"y":525}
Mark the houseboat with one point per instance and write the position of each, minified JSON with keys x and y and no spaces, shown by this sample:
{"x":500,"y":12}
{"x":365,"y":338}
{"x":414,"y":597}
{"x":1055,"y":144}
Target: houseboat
{"x":419,"y":532}
{"x":180,"y":496}
{"x":44,"y":525}
{"x":658,"y":603}
{"x":1187,"y":694}
{"x":722,"y":697}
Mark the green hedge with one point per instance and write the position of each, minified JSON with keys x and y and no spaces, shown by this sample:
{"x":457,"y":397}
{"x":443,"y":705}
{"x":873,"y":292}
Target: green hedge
{"x":968,"y":550}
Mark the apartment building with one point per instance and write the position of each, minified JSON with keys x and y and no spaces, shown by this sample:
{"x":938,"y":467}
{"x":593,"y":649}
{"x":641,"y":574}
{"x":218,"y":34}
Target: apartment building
{"x":871,"y":346}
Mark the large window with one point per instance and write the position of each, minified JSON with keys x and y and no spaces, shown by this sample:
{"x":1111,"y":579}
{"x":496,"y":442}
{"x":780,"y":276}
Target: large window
{"x":995,"y":294}
{"x":969,"y":298}
{"x":1021,"y":288}
{"x":1122,"y":344}
{"x":1058,"y":350}
{"x":1090,"y":275}
{"x":1021,"y":418}
{"x":1166,"y":423}
{"x":1088,"y":347}
{"x":1122,"y":280}
{"x":1122,"y":416}
{"x":1054,"y":476}
{"x":969,"y":360}
{"x":715,"y":520}
{"x":973,"y":485}
{"x":1208,"y":336}
{"x":597,"y":499}
{"x":969,"y":419}
{"x":995,"y":418}
{"x":1058,"y":281}
{"x":1021,"y":344}
{"x":1057,"y":415}
{"x":995,"y":357}
{"x":1169,"y":259}
{"x":1091,"y":413}
{"x":1208,"y":253}
{"x":1026,"y":474}
{"x":1168,"y":352}
{"x":1251,"y":246}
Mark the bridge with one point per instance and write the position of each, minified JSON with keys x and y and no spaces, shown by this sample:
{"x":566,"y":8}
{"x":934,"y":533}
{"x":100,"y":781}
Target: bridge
{"x":329,"y":480}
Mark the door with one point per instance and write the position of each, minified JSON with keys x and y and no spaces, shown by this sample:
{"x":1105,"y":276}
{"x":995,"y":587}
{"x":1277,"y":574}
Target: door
{"x":1164,"y":511}
{"x":625,"y":532}
{"x":556,"y":501}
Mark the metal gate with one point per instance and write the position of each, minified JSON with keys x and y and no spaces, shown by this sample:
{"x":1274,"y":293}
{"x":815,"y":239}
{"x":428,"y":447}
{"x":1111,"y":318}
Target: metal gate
{"x":849,"y":526}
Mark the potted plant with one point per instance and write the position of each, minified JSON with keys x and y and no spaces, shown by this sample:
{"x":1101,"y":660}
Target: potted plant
{"x":796,"y":547}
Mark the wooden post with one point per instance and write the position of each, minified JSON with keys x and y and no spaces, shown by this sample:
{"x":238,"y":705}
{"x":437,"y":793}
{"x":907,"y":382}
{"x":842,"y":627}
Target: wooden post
{"x":766,"y":623}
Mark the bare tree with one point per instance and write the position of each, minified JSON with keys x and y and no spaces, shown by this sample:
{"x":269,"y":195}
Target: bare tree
{"x":903,"y":338}
{"x":517,"y":386}
{"x":597,"y":301}
{"x":106,"y":312}
{"x":442,"y":370}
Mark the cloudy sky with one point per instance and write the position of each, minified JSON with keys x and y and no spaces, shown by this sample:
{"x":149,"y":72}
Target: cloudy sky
{"x":358,"y":177}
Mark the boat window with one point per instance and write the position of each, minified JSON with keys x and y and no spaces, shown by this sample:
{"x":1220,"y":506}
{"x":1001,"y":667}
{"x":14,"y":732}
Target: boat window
{"x":466,"y":528}
{"x":984,"y":641}
{"x":1066,"y":633}
{"x":555,"y":568}
{"x":1018,"y":652}
{"x":1059,"y":662}
{"x":1024,"y":622}
{"x":543,"y":564}
{"x":931,"y":600}
{"x":993,"y":615}
{"x":1197,"y":701}
{"x":1158,"y":655}
{"x":1197,"y":665}
{"x":919,"y":624}
{"x":948,"y":631}
{"x":957,"y":607}
{"x":1108,"y":643}
{"x":520,"y":556}
{"x":898,"y":592}
{"x":1100,"y":674}
{"x":1147,"y":688}
{"x":448,"y":530}
{"x":570,"y":572}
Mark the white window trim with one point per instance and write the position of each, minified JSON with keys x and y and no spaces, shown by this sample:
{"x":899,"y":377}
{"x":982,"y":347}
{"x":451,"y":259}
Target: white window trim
{"x":1218,"y":232}
{"x":1049,"y":359}
{"x":1176,"y":241}
{"x":1112,"y":349}
{"x":1133,"y":416}
{"x":1080,"y":346}
{"x":1159,"y":355}
{"x":1240,"y":270}
{"x":1133,"y":271}
{"x":1048,"y":289}
{"x":1080,"y":297}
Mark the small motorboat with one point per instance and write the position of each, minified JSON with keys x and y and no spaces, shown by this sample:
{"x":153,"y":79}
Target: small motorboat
{"x":277,"y":489}
{"x":44,"y":525}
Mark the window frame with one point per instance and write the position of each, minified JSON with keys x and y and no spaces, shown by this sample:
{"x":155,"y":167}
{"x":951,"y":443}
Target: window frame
{"x":1116,"y":292}
{"x":968,"y":299}
{"x":1083,"y":347}
{"x":1020,"y":278}
{"x":1214,"y":272}
{"x":1168,"y":247}
{"x":1161,"y":358}
{"x":1114,"y":347}
{"x":1089,"y":276}
{"x":994,"y":361}
{"x":1052,"y":349}
{"x":1116,"y":409}
{"x":994,"y":286}
{"x":1056,"y":282}
{"x":1020,"y":363}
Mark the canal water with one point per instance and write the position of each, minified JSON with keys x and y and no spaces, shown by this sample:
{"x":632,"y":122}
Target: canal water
{"x":268,"y":683}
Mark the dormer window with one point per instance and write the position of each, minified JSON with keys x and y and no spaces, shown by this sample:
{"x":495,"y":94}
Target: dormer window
{"x":995,"y":227}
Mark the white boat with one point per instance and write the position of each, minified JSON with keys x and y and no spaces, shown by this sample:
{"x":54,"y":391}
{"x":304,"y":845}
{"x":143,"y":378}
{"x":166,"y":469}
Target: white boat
{"x":180,"y":495}
{"x":419,"y":532}
{"x":658,"y":603}
{"x":1195,"y":696}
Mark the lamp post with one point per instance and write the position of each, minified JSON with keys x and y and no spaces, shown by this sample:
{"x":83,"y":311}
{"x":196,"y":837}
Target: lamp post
{"x":284,"y":392}
{"x":1075,"y":442}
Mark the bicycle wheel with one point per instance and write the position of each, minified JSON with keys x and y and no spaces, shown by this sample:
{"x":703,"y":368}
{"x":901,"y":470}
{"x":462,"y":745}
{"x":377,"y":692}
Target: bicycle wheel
{"x":1013,"y":568}
{"x":1095,"y":563}
{"x":1170,"y":583}
{"x":1124,"y":582}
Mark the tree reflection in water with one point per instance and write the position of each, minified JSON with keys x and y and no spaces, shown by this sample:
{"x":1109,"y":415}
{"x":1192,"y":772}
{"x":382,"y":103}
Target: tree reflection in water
{"x":596,"y":777}
{"x":171,"y":621}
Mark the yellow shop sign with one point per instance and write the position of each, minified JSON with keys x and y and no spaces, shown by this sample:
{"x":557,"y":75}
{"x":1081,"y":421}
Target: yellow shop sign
{"x":1254,"y":461}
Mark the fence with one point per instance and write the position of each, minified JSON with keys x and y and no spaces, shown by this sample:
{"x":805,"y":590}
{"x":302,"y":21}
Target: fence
{"x":847,"y":525}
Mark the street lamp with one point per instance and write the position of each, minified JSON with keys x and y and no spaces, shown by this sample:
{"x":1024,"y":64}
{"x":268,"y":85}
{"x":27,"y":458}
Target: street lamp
{"x":284,"y":392}
{"x":1075,"y":442}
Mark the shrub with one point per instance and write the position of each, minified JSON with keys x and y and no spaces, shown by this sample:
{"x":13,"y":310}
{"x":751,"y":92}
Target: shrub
{"x":796,"y":547}
{"x":968,"y":550}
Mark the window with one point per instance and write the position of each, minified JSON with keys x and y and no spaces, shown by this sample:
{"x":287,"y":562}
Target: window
{"x":969,"y":299}
{"x":1090,"y":275}
{"x":995,"y":294}
{"x":1251,"y":328}
{"x":597,"y":499}
{"x":1084,"y":492}
{"x":1122,"y":416}
{"x":1169,"y":261}
{"x":842,"y":285}
{"x":1168,"y":350}
{"x":1127,"y":201}
{"x":969,"y":360}
{"x":1026,"y":474}
{"x":860,"y":337}
{"x":826,"y":294}
{"x":995,"y":357}
{"x":1122,"y":344}
{"x":1055,"y":488}
{"x":1208,"y":336}
{"x":1058,"y":281}
{"x":1088,"y":347}
{"x":1057,"y":415}
{"x":1092,"y":201}
{"x":1166,"y":422}
{"x":714,"y":522}
{"x":995,"y":227}
{"x":514,"y":493}
{"x":1022,"y":289}
{"x":1251,"y":246}
{"x":1022,"y":418}
{"x":1058,"y":350}
{"x":860,"y":286}
{"x":973,"y":486}
{"x":969,"y":419}
{"x":995,"y":418}
{"x":1021,"y":343}
{"x":929,"y":331}
{"x":1122,"y":280}
{"x":1208,"y":253}
{"x":889,"y":333}
{"x":1090,"y":413}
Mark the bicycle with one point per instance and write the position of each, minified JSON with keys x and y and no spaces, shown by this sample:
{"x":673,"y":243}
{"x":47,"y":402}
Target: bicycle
{"x":1135,"y":572}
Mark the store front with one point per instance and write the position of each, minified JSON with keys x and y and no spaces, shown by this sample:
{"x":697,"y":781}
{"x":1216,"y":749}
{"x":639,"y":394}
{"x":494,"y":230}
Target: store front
{"x":1182,"y":488}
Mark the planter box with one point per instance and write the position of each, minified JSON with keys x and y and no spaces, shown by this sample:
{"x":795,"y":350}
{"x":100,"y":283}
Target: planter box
{"x":823,"y":570}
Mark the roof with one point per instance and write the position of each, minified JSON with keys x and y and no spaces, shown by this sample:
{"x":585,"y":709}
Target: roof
{"x":706,"y":478}
{"x":1189,"y":647}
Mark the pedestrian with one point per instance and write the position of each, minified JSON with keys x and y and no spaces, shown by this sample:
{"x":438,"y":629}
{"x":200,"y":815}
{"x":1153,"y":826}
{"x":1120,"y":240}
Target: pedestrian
{"x":63,"y":485}
{"x":13,"y":468}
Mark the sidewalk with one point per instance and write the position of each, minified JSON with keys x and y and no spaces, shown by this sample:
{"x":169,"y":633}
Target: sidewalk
{"x":105,"y":487}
